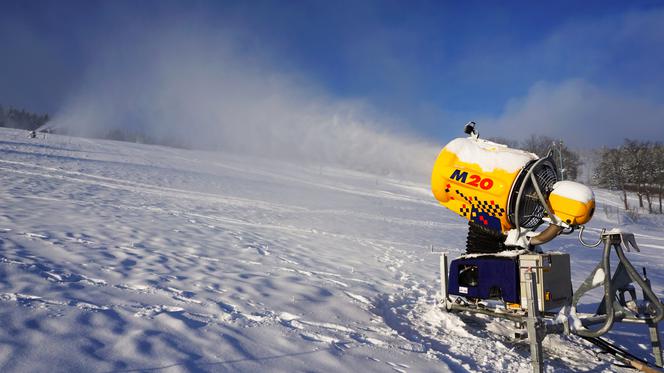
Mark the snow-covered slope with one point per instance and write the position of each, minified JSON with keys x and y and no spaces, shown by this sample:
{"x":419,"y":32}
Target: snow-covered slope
{"x":126,"y":257}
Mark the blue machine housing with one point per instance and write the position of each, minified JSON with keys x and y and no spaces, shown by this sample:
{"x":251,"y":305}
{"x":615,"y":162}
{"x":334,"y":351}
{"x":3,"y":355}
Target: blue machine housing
{"x":485,"y":277}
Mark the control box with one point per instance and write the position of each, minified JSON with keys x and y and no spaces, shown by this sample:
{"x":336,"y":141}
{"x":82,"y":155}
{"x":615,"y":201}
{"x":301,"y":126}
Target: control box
{"x":554,"y":280}
{"x":502,"y":277}
{"x":485,"y":277}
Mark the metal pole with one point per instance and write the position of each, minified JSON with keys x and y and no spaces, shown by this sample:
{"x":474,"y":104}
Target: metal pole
{"x":609,"y":293}
{"x":655,"y":343}
{"x":532,"y":322}
{"x":443,"y":278}
{"x":560,"y":155}
{"x":653,"y":328}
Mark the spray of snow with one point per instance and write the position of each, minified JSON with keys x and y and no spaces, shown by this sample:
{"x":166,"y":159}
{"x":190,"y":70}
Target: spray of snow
{"x":196,"y":88}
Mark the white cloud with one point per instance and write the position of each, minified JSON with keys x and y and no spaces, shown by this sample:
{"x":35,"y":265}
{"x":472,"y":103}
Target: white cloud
{"x":580,"y":113}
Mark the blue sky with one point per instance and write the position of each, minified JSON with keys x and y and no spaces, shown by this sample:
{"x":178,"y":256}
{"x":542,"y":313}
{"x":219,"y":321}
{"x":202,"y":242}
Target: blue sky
{"x":570,"y":69}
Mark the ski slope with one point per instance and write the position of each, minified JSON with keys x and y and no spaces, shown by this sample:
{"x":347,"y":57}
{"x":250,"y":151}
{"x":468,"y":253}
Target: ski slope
{"x":127,"y":257}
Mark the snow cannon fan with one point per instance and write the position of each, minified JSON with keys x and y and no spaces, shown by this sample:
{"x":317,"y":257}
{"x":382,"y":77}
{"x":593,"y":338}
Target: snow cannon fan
{"x":506,"y":194}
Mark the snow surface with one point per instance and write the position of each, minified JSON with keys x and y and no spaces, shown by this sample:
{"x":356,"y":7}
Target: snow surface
{"x":599,"y":277}
{"x":127,"y":257}
{"x":489,"y":155}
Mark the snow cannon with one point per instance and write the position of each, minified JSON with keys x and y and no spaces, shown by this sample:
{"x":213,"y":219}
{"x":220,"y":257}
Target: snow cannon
{"x":506,"y":193}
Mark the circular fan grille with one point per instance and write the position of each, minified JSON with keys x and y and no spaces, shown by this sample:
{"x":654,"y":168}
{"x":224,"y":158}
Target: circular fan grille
{"x":530,"y":208}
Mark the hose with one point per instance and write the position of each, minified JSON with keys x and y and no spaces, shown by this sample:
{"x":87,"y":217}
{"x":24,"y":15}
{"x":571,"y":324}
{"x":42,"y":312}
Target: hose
{"x":546,"y":235}
{"x":609,"y":292}
{"x":608,"y":297}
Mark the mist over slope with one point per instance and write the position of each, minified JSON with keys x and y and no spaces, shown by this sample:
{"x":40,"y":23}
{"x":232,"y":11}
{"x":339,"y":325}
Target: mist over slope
{"x":205,"y":91}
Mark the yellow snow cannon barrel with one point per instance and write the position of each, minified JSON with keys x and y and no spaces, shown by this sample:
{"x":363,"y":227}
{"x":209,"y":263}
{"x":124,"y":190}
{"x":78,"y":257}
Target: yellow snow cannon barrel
{"x":572,"y":203}
{"x":475,"y":178}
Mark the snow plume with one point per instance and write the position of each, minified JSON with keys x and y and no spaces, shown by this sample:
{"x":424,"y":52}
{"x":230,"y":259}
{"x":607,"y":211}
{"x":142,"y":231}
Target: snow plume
{"x":208,"y":92}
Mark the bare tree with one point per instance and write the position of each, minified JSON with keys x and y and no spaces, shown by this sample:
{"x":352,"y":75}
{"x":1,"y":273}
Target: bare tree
{"x":658,"y":158}
{"x":611,"y":172}
{"x":650,"y":171}
{"x":636,"y":159}
{"x":567,"y":161}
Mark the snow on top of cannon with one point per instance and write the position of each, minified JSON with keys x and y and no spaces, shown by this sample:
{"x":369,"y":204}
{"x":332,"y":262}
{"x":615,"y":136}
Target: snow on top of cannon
{"x":573,"y":190}
{"x":489,"y":155}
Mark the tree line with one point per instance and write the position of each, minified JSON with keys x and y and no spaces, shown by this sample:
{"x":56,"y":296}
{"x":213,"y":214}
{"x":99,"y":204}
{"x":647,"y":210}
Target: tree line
{"x":635,"y":166}
{"x":19,"y":118}
{"x":11,"y":117}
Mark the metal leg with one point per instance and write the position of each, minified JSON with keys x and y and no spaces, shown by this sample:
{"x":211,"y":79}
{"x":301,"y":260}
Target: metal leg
{"x":653,"y":327}
{"x":443,"y":279}
{"x":532,"y":322}
{"x":608,"y":302}
{"x":654,"y":342}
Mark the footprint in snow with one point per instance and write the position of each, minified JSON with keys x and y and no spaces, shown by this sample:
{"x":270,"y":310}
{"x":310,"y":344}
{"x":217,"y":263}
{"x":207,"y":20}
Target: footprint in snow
{"x":36,"y":235}
{"x":262,"y":250}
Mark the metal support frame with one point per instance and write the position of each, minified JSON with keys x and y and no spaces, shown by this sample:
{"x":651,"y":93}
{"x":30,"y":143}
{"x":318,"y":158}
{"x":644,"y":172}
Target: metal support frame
{"x":534,"y":325}
{"x":533,"y":322}
{"x":653,"y":329}
{"x":611,"y":310}
{"x":443,"y":278}
{"x":655,"y":343}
